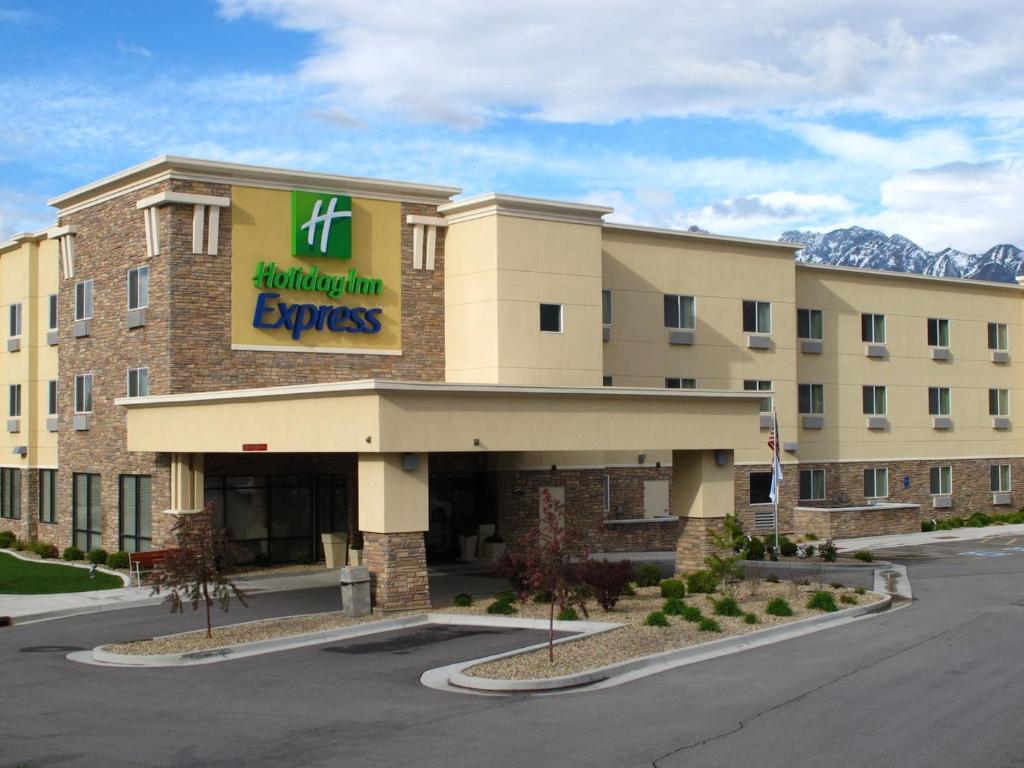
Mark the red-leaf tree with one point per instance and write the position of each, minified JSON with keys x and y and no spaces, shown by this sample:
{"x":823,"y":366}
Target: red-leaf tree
{"x":196,"y":571}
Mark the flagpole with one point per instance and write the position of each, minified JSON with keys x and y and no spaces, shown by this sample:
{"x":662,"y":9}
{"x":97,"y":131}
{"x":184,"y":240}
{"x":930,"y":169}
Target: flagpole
{"x":775,"y":478}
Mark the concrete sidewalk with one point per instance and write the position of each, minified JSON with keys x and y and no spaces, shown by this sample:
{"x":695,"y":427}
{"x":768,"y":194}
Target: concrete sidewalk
{"x":932,"y":537}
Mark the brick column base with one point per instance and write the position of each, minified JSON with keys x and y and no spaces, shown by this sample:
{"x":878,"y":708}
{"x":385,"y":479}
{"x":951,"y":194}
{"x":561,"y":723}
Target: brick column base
{"x":692,"y":547}
{"x":398,"y":570}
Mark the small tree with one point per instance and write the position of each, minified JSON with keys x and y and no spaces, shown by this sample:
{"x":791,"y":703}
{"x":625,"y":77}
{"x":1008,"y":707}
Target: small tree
{"x":723,"y":562}
{"x":196,"y":571}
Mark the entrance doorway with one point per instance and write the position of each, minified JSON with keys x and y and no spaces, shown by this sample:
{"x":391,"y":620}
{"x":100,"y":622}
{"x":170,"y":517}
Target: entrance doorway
{"x":459,"y":502}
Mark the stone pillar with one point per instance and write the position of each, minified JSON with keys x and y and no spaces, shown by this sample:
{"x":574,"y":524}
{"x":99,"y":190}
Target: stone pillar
{"x":30,"y":505}
{"x":702,"y":495}
{"x":393,"y":516}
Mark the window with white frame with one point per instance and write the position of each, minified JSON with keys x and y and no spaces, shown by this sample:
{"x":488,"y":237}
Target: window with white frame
{"x":680,"y":312}
{"x":681,"y":383}
{"x":551,"y":318}
{"x":606,"y":306}
{"x":938,"y":401}
{"x":875,"y":398}
{"x":138,"y":382}
{"x":811,"y":399}
{"x":999,"y":478}
{"x":812,"y":484}
{"x":757,"y":316}
{"x":138,"y":288}
{"x":52,"y":313}
{"x":14,"y":401}
{"x":999,"y":402}
{"x":83,"y":300}
{"x":998,"y":337}
{"x":51,"y":398}
{"x":809,"y":324}
{"x":14,"y":321}
{"x":938,"y":332}
{"x":872,"y":328}
{"x":83,"y":393}
{"x":940,"y":481}
{"x":756,"y":385}
{"x":876,"y":483}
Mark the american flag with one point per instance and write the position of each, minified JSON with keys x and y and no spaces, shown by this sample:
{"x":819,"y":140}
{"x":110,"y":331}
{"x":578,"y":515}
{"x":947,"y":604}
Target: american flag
{"x":773,"y":444}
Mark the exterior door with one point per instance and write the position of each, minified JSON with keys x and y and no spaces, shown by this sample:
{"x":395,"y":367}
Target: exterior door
{"x":656,"y":498}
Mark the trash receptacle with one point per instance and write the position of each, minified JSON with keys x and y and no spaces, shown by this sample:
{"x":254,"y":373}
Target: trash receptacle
{"x":335,"y":548}
{"x":355,"y":591}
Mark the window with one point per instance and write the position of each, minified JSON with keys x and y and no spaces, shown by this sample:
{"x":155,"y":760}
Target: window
{"x":811,"y":399}
{"x":680,"y":312}
{"x":47,"y":495}
{"x":83,"y":393}
{"x":812,"y":484}
{"x":940,"y":482}
{"x":138,"y":288}
{"x":876,"y":483}
{"x":53,"y":312}
{"x":999,"y":402}
{"x":14,"y":324}
{"x":51,"y":398}
{"x":551,"y":318}
{"x":938,"y":332}
{"x":83,"y":300}
{"x":999,"y":478}
{"x":875,"y":401}
{"x":998,"y":338}
{"x":607,"y":493}
{"x":606,"y":306}
{"x":809,"y":324}
{"x":138,"y":382}
{"x":88,"y":519}
{"x":14,"y":401}
{"x":606,"y":381}
{"x":681,"y":383}
{"x":938,"y":401}
{"x":136,"y":512}
{"x":760,"y":487}
{"x":872,"y":329}
{"x":757,"y":316}
{"x":753,"y":385}
{"x":10,"y":493}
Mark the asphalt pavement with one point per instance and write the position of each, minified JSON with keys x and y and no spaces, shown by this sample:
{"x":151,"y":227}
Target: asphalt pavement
{"x":936,"y":683}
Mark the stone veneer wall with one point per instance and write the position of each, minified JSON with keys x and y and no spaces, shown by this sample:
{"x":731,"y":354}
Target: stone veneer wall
{"x":398,"y":570}
{"x":842,"y":524}
{"x":692,"y":546}
{"x":27,"y":526}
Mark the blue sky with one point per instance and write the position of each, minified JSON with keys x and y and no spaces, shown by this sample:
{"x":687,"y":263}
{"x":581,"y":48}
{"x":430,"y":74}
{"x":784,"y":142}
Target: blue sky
{"x":745,"y":118}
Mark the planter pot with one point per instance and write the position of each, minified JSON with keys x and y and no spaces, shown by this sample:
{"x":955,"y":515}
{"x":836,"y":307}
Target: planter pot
{"x":467,"y":548}
{"x":355,"y":556}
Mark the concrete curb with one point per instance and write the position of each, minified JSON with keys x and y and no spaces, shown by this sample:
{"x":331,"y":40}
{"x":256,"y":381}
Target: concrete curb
{"x":56,"y":561}
{"x":649,"y":664}
{"x":65,"y":613}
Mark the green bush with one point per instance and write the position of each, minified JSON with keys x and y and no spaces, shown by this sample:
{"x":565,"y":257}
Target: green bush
{"x":691,"y":613}
{"x":628,"y":591}
{"x":750,"y":618}
{"x":45,"y":549}
{"x":771,"y":578}
{"x":848,"y":599}
{"x":787,"y":548}
{"x":501,"y":608}
{"x":97,"y":556}
{"x":117,"y":560}
{"x":21,"y":545}
{"x":7,"y":539}
{"x":648,"y":575}
{"x":836,"y":585}
{"x":727,"y":606}
{"x":673,"y":607}
{"x":778,"y":607}
{"x":708,"y":625}
{"x":823,"y":601}
{"x":701,"y":582}
{"x":73,"y":553}
{"x":828,"y":551}
{"x":927,"y":526}
{"x":656,"y":619}
{"x":860,"y":590}
{"x":505,"y":597}
{"x":865,"y":555}
{"x":462,"y":600}
{"x":809,"y":550}
{"x":543,"y":596}
{"x":978,"y":520}
{"x":568,"y":614}
{"x":673,"y":588}
{"x":754,"y":549}
{"x":811,"y":536}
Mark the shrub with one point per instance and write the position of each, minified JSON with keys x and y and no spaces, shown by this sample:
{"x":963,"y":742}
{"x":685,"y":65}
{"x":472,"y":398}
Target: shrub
{"x":673,"y":607}
{"x":45,"y":549}
{"x":864,"y":555}
{"x":543,"y":596}
{"x":72,"y":553}
{"x":117,"y":560}
{"x":701,"y":582}
{"x":778,"y":607}
{"x":836,"y":585}
{"x":708,"y":625}
{"x":828,"y":551}
{"x":809,"y":550}
{"x":97,"y":556}
{"x":691,"y":613}
{"x":628,"y":591}
{"x":7,"y":539}
{"x":656,"y":619}
{"x":848,"y":599}
{"x":750,"y":618}
{"x":754,"y":549}
{"x":771,"y":578}
{"x":261,"y":560}
{"x":978,"y":520}
{"x":304,"y":559}
{"x":21,"y":545}
{"x":928,"y":526}
{"x":505,"y":597}
{"x":787,"y":548}
{"x":606,"y":580}
{"x":727,"y":606}
{"x":648,"y":575}
{"x":673,"y":588}
{"x":462,"y":600}
{"x":518,"y":570}
{"x":823,"y":601}
{"x":860,"y":590}
{"x":501,"y":608}
{"x":811,"y":536}
{"x":568,"y":614}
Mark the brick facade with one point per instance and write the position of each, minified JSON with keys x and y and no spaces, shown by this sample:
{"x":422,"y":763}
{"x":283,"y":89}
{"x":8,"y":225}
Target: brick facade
{"x":828,"y":523}
{"x":692,"y":546}
{"x":398,"y":570}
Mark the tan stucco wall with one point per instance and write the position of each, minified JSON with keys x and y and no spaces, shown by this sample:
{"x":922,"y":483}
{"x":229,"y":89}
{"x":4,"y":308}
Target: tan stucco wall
{"x":393,"y":499}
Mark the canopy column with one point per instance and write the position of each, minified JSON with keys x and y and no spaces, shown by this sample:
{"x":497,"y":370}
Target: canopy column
{"x":702,"y":494}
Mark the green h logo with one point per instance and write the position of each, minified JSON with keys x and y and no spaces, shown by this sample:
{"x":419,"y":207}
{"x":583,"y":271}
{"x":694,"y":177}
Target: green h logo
{"x":321,"y":225}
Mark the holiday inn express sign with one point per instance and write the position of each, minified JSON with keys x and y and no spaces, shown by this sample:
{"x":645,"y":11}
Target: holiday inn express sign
{"x":315,"y":272}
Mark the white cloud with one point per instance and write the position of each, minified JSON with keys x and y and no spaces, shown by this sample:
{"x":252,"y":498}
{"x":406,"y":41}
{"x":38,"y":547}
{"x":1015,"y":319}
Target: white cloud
{"x":765,"y":215}
{"x":132,"y":49}
{"x":918,"y":150}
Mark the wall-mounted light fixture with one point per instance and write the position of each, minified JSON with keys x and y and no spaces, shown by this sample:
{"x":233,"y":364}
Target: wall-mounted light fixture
{"x":410,"y":462}
{"x":721,"y":458}
{"x":641,"y":458}
{"x":553,"y":467}
{"x":476,"y":441}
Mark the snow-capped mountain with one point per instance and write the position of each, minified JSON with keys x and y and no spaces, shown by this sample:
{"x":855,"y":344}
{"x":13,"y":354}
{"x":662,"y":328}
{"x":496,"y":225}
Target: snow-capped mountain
{"x":870,"y":249}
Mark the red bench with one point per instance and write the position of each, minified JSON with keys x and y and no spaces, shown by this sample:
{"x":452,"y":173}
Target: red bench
{"x":140,"y":561}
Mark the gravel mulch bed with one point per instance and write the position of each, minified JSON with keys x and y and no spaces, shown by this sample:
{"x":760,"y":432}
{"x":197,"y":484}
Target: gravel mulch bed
{"x":633,"y":639}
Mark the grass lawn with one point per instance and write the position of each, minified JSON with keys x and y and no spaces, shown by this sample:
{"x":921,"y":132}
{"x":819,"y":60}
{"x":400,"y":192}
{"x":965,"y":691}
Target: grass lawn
{"x":21,"y":577}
